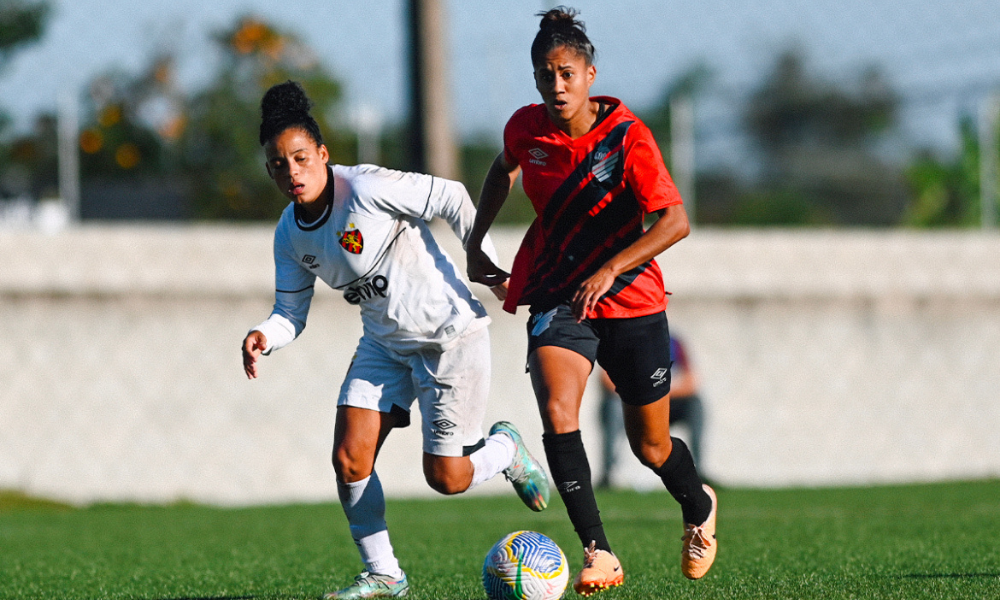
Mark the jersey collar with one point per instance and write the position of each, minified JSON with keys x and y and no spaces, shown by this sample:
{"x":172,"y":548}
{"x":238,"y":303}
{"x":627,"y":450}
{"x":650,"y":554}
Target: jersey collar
{"x":301,"y":216}
{"x":601,"y":128}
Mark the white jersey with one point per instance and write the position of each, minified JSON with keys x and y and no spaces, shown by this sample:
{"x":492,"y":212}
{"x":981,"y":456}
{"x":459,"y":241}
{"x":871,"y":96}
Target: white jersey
{"x":373,"y":244}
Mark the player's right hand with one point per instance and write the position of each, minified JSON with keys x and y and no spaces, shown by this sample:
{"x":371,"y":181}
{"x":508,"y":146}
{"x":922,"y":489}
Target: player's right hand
{"x":253,"y":345}
{"x":481,"y":269}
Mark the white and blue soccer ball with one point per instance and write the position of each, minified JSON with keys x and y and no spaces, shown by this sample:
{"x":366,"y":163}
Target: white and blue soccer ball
{"x":525,"y":565}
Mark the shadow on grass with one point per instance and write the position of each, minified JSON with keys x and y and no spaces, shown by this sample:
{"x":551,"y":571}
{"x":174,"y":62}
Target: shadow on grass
{"x":212,"y":598}
{"x":948,"y":576}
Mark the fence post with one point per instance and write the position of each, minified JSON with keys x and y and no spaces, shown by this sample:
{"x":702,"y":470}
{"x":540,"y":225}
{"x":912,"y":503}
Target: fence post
{"x":682,"y":164}
{"x":988,"y":160}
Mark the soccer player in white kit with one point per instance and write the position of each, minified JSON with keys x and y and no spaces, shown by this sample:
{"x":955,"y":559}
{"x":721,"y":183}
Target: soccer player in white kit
{"x":363,"y":230}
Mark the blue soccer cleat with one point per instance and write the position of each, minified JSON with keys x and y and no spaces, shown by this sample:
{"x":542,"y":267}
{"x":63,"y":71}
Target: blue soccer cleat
{"x":372,"y":585}
{"x":527,"y":476}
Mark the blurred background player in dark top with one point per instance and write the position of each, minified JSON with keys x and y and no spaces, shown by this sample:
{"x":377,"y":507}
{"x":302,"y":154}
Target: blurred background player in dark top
{"x":686,"y":408}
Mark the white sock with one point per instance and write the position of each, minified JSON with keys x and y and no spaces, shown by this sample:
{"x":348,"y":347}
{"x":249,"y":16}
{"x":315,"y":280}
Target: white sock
{"x":495,"y":456}
{"x":364,"y":505}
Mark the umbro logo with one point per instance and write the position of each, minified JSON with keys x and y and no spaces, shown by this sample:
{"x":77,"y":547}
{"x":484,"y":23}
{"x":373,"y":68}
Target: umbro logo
{"x":568,"y":486}
{"x":537,"y":154}
{"x":310,"y":260}
{"x":442,"y":426}
{"x":659,"y":377}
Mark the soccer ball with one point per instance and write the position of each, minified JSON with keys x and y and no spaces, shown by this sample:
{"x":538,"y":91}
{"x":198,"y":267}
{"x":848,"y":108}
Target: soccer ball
{"x":525,"y":565}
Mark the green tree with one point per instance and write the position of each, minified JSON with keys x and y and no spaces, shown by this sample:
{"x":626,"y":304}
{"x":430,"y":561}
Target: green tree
{"x":21,"y":23}
{"x":817,"y":146}
{"x":945,"y":193}
{"x":220,"y":147}
{"x":29,"y":162}
{"x":131,"y":121}
{"x":23,"y":160}
{"x":129,"y":142}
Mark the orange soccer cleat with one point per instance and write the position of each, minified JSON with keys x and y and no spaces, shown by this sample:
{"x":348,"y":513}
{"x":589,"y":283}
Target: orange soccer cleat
{"x":601,"y":570}
{"x":700,"y":544}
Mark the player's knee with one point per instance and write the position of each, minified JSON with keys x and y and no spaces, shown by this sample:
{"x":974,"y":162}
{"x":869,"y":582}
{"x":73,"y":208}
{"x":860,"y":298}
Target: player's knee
{"x":445,"y":483}
{"x":652,"y":453}
{"x":445,"y":478}
{"x":348,"y":467}
{"x":560,"y":417}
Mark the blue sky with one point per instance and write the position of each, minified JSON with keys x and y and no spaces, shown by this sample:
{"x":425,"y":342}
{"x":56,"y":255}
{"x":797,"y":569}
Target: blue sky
{"x":941,"y":56}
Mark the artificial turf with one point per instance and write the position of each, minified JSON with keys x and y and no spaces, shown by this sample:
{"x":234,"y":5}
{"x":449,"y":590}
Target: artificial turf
{"x":915,"y":541}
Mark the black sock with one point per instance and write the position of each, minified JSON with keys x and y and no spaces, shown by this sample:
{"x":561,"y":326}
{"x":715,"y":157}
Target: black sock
{"x":571,"y":474}
{"x":681,"y":478}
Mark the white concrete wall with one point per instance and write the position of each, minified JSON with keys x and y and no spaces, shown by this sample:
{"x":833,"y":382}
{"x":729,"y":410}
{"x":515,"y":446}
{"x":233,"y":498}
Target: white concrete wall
{"x":827,"y":358}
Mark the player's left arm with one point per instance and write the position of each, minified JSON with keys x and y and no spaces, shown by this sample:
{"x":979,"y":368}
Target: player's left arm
{"x":657,"y":194}
{"x":427,"y":197}
{"x":670,"y":227}
{"x":457,"y":209}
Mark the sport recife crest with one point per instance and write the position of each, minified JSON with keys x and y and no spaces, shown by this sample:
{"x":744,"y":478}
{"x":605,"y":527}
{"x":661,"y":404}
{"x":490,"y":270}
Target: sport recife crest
{"x":352,"y":241}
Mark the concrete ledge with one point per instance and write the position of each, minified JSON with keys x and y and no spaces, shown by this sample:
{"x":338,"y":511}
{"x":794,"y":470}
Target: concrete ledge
{"x":827,"y":358}
{"x":236,"y":261}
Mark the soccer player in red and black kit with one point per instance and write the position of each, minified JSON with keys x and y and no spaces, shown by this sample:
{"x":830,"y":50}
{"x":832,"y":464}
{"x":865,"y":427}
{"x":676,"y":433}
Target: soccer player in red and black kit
{"x":586,"y":270}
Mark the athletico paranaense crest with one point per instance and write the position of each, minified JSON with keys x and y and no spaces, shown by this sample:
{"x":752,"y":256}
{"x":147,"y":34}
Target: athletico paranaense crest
{"x":352,"y":241}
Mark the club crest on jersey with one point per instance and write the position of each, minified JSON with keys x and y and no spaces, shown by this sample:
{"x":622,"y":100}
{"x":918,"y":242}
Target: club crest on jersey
{"x":604,"y":166}
{"x":352,"y":241}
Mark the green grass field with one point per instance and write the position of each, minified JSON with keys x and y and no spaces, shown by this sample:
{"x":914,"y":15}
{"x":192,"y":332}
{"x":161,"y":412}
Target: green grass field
{"x":926,"y":541}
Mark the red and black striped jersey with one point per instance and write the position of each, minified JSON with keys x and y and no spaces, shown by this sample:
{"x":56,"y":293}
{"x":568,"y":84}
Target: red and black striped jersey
{"x":590,"y":195}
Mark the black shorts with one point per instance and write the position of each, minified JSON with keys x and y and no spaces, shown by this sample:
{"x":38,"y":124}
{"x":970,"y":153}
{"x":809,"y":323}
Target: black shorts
{"x":635,"y":352}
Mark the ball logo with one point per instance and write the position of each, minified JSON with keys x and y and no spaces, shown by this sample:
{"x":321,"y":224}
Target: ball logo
{"x":352,"y":241}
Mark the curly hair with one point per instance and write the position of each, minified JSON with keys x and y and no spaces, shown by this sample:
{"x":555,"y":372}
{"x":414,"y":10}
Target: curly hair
{"x":560,"y":27}
{"x":285,"y":106}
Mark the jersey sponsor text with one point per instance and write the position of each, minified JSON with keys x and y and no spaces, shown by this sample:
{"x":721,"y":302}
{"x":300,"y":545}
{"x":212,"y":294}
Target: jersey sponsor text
{"x":376,"y":286}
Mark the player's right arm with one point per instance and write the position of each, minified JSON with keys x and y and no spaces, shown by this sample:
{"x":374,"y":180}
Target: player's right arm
{"x":499,"y":181}
{"x":294,"y":287}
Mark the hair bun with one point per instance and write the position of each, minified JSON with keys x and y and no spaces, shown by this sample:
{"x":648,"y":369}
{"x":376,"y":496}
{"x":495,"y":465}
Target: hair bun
{"x":561,"y":17}
{"x":286,"y":105}
{"x":285,"y":100}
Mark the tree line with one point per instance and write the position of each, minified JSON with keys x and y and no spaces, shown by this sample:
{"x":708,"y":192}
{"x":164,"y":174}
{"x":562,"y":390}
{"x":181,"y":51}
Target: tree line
{"x":150,"y":150}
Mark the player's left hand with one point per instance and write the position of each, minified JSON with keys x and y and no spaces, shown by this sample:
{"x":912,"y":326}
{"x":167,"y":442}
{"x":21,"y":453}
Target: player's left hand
{"x":500,"y":291}
{"x":590,"y":291}
{"x":481,"y":269}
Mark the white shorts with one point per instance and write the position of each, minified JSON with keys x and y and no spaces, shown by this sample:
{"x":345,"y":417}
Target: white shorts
{"x":451,"y":386}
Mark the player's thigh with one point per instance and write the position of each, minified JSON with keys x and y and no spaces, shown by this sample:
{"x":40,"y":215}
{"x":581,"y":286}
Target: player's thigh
{"x":452,"y":388}
{"x":375,"y":397}
{"x":635,"y":352}
{"x":561,"y":354}
{"x":358,"y":437}
{"x":378,"y":379}
{"x":559,"y":378}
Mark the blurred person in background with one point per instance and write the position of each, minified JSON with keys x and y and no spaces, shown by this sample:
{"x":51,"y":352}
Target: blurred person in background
{"x":586,"y":270}
{"x":363,"y":231}
{"x":686,"y":408}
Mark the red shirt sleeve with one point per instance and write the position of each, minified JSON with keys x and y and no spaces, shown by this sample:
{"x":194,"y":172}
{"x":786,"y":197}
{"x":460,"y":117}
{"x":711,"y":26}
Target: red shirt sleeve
{"x":511,"y":133}
{"x":645,"y":171}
